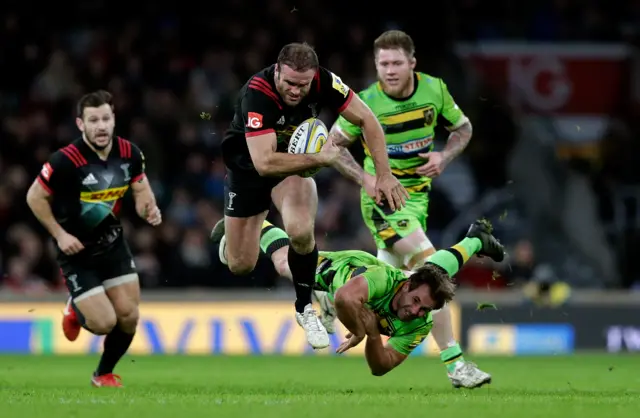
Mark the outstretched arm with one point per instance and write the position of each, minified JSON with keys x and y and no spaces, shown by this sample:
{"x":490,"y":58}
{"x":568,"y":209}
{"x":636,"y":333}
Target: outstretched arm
{"x":345,"y":163}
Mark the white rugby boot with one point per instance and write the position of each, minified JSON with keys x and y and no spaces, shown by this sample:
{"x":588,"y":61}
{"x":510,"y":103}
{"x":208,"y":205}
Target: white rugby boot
{"x":328,"y":313}
{"x":316,"y":333}
{"x":468,"y":375}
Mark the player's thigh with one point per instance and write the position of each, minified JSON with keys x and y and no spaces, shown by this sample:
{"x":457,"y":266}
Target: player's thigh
{"x":88,"y":295}
{"x":388,"y":226}
{"x":410,"y":224}
{"x":247,"y":203}
{"x":296,"y":198}
{"x":122,"y":285}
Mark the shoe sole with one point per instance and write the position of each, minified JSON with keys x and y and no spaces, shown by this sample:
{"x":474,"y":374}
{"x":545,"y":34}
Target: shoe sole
{"x":217,"y":232}
{"x":479,"y":385}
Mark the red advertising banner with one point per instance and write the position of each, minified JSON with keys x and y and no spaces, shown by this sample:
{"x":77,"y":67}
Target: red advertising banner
{"x":555,"y":79}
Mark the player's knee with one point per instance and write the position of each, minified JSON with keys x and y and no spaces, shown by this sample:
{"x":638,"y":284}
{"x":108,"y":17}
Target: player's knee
{"x":128,"y":319}
{"x":301,"y":237}
{"x":241,"y":265}
{"x":101,"y":324}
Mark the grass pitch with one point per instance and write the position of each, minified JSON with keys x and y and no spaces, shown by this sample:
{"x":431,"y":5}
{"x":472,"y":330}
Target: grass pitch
{"x":318,"y":387}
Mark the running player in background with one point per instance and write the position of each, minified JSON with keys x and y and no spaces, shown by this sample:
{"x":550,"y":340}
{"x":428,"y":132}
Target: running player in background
{"x":270,"y":105}
{"x":409,"y":105}
{"x":373,"y":298}
{"x":77,"y":197}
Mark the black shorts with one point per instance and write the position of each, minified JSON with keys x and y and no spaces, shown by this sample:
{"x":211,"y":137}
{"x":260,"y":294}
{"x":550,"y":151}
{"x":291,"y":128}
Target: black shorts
{"x":83,"y":272}
{"x":247,"y":194}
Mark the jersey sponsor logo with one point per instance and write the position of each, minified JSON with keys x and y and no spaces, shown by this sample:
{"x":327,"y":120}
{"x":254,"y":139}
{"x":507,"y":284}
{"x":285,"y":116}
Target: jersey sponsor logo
{"x":254,"y":120}
{"x":413,"y":147}
{"x":338,"y":85}
{"x":281,"y":121}
{"x":46,"y":171}
{"x":107,"y":195}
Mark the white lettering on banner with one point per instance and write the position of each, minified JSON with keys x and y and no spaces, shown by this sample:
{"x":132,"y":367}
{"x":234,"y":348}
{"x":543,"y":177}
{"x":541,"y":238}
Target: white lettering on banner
{"x":541,"y":81}
{"x":621,"y":338}
{"x":562,"y":79}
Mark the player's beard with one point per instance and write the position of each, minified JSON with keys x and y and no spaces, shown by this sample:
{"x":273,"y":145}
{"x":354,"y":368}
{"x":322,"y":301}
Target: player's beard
{"x":100,"y":142}
{"x":404,"y":313}
{"x":398,"y":89}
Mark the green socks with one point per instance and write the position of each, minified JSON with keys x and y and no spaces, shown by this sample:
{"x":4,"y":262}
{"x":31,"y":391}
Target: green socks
{"x":451,"y":356}
{"x":452,"y":259}
{"x":272,"y":238}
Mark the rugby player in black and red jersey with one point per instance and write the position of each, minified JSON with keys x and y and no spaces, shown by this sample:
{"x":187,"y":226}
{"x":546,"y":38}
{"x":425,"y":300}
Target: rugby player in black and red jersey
{"x":260,"y":170}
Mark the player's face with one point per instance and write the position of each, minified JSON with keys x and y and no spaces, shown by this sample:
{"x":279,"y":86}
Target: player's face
{"x":97,"y":125}
{"x":292,"y":85}
{"x":414,"y":303}
{"x":395,"y":70}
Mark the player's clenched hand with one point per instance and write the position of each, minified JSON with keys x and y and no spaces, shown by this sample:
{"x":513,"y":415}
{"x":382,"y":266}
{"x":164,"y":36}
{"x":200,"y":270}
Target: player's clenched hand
{"x":434,"y":165}
{"x":69,"y":244}
{"x":389,"y":187}
{"x":329,"y":152}
{"x":153,"y":215}
{"x":370,"y":321}
{"x":352,"y":341}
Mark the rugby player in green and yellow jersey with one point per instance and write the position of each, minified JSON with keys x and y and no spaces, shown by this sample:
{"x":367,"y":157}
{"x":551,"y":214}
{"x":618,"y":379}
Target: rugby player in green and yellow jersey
{"x":373,"y":298}
{"x":409,"y":105}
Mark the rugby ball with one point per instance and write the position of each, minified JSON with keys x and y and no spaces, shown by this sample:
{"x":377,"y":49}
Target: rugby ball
{"x":308,"y":138}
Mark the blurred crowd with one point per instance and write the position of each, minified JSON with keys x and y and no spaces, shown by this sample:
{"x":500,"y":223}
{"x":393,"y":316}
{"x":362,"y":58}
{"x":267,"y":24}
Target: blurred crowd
{"x":165,"y":67}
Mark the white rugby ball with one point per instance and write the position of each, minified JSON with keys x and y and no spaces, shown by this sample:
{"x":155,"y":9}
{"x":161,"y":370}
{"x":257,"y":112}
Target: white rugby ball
{"x":308,"y":138}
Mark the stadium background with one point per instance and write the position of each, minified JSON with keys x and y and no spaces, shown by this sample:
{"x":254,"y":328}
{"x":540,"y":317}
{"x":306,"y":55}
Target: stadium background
{"x":552,"y":89}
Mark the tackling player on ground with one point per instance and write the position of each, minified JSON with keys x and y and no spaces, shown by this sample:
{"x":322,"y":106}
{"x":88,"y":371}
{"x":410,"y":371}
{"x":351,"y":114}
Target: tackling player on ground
{"x":374,"y":298}
{"x":77,"y":197}
{"x":260,"y":171}
{"x":409,"y":105}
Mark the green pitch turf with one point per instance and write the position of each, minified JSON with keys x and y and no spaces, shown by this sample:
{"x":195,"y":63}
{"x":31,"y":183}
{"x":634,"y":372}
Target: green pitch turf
{"x":319,"y":387}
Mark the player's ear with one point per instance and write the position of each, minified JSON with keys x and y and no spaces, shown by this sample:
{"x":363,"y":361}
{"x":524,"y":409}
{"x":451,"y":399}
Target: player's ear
{"x":412,"y":63}
{"x":80,"y":124}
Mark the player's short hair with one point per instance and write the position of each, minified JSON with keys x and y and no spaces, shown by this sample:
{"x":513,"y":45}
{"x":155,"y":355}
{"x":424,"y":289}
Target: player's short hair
{"x":440,"y":284}
{"x":395,"y":39}
{"x":94,"y":99}
{"x":299,"y":56}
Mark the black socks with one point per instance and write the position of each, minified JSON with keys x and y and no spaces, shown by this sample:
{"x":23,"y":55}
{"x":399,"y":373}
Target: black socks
{"x":303,"y":269}
{"x":116,"y":344}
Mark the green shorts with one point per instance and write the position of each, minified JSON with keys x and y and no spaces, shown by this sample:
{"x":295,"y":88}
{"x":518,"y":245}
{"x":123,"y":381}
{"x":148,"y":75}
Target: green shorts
{"x":389,"y":227}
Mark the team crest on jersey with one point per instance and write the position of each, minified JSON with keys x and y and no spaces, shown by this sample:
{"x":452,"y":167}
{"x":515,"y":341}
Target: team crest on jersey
{"x":429,"y":116}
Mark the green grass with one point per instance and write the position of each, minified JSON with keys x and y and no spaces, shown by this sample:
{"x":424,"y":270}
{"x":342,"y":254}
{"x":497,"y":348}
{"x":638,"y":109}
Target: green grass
{"x":328,"y":387}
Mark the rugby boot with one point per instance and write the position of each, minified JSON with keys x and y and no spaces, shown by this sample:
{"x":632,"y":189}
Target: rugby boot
{"x":468,"y":375}
{"x":491,"y":247}
{"x":314,"y":330}
{"x":70,"y":324}
{"x":108,"y":380}
{"x":328,"y":313}
{"x":217,"y":236}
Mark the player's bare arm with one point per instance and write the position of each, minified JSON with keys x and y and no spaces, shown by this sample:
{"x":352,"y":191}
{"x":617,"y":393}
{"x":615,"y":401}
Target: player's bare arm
{"x":269,"y":162}
{"x":380,"y":358}
{"x":387,"y":186}
{"x":39,"y":201}
{"x":456,"y":143}
{"x":349,"y":304}
{"x":345,"y":163}
{"x":145,"y":201}
{"x":458,"y":140}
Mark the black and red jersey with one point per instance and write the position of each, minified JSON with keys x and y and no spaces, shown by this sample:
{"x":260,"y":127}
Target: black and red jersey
{"x":260,"y":109}
{"x":87,"y":191}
